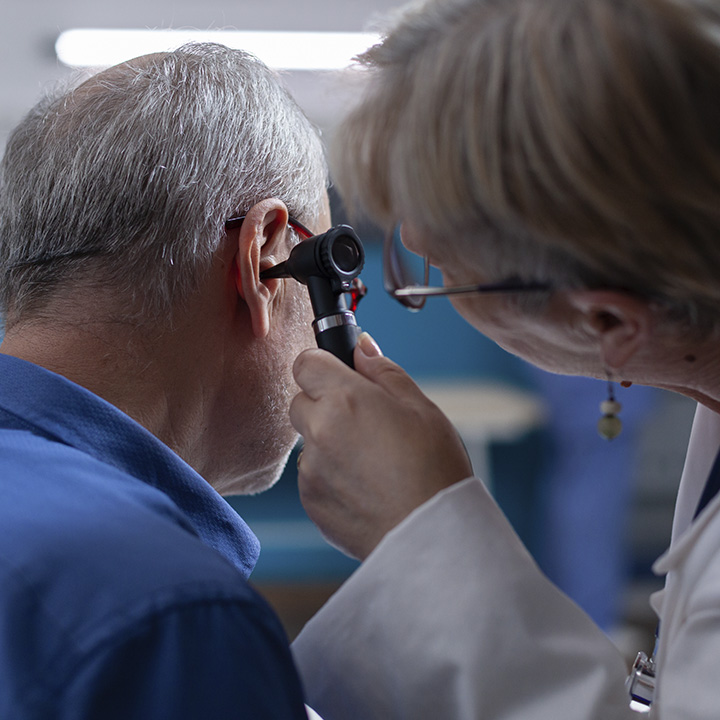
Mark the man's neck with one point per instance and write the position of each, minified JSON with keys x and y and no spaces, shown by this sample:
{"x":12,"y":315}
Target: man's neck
{"x":137,"y":369}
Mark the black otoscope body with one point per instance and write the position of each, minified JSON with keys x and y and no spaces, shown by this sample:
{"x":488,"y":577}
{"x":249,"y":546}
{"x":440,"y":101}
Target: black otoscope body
{"x":329,"y":264}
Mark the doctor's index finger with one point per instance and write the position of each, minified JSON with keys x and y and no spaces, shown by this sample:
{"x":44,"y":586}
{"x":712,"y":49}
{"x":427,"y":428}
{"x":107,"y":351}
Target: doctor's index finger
{"x":318,"y":372}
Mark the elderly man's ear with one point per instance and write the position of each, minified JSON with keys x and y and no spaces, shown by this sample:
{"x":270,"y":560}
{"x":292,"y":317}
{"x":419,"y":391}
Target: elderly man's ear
{"x":260,"y":238}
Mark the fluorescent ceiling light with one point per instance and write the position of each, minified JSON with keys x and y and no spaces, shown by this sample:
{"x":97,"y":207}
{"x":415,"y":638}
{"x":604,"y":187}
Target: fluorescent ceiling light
{"x":88,"y":47}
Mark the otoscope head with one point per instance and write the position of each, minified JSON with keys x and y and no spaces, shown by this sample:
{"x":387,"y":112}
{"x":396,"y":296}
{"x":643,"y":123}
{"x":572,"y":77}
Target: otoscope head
{"x":342,"y":254}
{"x":336,"y":255}
{"x":329,"y":264}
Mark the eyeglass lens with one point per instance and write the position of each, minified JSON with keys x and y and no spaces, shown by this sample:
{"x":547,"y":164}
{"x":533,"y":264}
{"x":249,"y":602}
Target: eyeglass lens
{"x":402,"y":268}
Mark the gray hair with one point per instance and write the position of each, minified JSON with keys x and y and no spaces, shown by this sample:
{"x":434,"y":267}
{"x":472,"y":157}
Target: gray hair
{"x":574,"y":142}
{"x":129,"y":177}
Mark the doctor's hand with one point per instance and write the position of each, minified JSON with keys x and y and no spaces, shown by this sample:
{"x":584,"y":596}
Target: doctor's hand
{"x":375,"y":447}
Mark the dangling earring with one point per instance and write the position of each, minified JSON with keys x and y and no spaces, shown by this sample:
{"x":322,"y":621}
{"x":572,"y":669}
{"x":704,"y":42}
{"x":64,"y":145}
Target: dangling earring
{"x":609,"y":425}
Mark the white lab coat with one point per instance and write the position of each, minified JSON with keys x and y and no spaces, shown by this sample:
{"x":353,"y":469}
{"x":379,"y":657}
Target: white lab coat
{"x":450,"y":618}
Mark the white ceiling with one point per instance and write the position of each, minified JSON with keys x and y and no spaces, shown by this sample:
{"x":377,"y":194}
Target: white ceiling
{"x":28,"y":29}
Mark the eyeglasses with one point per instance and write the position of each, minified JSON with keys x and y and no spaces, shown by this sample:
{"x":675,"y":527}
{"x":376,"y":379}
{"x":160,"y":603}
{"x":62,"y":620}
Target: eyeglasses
{"x":298,"y":227}
{"x":406,"y":276}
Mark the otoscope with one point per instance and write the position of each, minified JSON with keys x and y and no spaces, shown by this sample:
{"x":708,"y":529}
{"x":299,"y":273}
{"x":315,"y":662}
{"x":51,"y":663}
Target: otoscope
{"x":329,"y":264}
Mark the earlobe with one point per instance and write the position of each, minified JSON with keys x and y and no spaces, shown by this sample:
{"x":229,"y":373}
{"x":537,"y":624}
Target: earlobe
{"x":621,"y":323}
{"x":256,"y":297}
{"x":264,"y":224}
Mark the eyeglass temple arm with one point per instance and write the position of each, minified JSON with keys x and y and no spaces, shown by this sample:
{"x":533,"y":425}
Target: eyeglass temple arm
{"x":421,"y":291}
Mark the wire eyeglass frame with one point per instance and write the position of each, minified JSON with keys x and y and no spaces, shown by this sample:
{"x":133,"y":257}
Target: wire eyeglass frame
{"x":413,"y":296}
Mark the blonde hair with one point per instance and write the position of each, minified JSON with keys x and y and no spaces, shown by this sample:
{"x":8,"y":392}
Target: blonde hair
{"x":570,"y":141}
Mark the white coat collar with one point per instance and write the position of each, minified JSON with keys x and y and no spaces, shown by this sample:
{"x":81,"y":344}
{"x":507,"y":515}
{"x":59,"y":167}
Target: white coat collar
{"x":702,"y":450}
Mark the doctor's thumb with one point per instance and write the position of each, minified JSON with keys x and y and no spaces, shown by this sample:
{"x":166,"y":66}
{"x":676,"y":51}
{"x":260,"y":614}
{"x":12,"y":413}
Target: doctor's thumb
{"x":366,"y":356}
{"x":370,"y":362}
{"x":367,"y":346}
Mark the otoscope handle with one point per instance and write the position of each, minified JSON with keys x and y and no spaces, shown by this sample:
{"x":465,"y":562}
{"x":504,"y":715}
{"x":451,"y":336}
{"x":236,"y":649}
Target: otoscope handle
{"x":329,"y":264}
{"x":338,"y":334}
{"x":336,"y":329}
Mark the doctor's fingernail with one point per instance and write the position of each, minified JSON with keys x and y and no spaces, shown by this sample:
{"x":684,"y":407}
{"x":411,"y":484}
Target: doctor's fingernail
{"x":368,"y":346}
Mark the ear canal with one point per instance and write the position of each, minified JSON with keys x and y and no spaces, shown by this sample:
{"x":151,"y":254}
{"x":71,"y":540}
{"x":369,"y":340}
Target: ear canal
{"x":606,"y":320}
